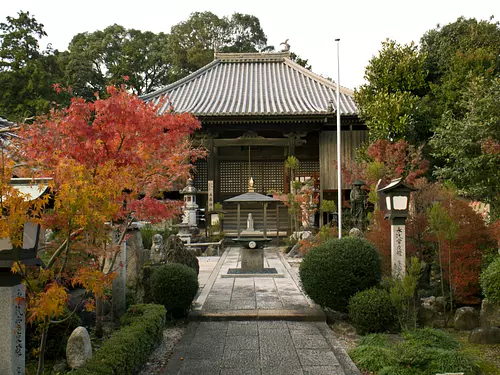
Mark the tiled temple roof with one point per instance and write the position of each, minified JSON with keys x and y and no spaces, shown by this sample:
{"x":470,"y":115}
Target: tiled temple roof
{"x":242,"y":84}
{"x":6,"y":124}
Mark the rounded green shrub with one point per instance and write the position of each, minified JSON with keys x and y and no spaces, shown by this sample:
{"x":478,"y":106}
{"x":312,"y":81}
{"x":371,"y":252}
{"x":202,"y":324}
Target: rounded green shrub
{"x":339,"y":268}
{"x":490,"y":281}
{"x":371,"y":311}
{"x":174,"y":286}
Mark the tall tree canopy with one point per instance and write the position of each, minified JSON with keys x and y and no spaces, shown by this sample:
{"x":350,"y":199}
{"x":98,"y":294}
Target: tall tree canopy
{"x":388,"y":103}
{"x":469,"y":146}
{"x":193,"y":42}
{"x":26,"y":72}
{"x":97,"y":59}
{"x":409,"y":88}
{"x":445,"y":91}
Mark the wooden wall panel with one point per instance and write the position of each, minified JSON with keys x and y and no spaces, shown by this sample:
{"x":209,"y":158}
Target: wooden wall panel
{"x":350,"y":140}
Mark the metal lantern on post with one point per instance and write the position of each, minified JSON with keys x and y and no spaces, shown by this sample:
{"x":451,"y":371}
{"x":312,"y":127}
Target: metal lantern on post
{"x":397,"y":201}
{"x":12,"y":294}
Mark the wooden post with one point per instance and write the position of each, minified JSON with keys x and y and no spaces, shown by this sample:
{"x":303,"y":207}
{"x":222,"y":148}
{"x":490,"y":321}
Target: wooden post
{"x":238,"y":220}
{"x":265,"y":220}
{"x":277,"y":223}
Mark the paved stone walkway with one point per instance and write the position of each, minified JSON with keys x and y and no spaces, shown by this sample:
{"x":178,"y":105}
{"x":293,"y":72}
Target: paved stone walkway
{"x":252,"y":297}
{"x":256,"y":326}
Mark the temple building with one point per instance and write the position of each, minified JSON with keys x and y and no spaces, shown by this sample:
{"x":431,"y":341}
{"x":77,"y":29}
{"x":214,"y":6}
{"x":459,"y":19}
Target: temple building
{"x":256,"y":109}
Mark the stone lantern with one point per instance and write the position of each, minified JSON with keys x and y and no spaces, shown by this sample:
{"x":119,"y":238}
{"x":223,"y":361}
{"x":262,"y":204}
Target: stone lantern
{"x":190,"y":206}
{"x":397,"y":200}
{"x":12,"y":294}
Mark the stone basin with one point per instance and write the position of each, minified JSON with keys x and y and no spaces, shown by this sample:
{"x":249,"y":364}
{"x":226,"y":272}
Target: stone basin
{"x":252,"y":242}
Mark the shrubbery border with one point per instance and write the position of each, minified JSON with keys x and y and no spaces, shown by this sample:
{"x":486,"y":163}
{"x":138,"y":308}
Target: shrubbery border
{"x":128,"y":348}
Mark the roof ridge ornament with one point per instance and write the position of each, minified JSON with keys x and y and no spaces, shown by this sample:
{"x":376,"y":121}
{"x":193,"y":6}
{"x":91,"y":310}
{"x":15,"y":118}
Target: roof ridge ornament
{"x":286,"y":47}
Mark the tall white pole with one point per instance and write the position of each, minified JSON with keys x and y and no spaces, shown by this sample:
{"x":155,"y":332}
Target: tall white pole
{"x":339,"y":163}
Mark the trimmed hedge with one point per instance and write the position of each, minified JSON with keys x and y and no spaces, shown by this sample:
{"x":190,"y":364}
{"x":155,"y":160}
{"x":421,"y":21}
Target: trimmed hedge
{"x":337,"y":269}
{"x":371,"y":311}
{"x":174,"y":286}
{"x":128,"y":348}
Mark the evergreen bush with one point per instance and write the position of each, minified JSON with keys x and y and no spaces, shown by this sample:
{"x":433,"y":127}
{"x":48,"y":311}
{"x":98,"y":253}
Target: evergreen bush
{"x":174,"y":286}
{"x":371,"y":311}
{"x":339,"y":268}
{"x":423,"y":352}
{"x":490,"y":282}
{"x":128,"y":348}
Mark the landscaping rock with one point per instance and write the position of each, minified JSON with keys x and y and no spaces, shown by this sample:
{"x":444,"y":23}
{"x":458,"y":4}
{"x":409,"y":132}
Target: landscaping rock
{"x":356,"y":232}
{"x":431,"y":312}
{"x":490,"y":314}
{"x":176,"y":252}
{"x":487,"y":335}
{"x":79,"y":348}
{"x":466,"y":319}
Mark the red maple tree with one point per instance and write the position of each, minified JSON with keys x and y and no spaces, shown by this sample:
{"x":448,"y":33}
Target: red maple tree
{"x":111,"y":160}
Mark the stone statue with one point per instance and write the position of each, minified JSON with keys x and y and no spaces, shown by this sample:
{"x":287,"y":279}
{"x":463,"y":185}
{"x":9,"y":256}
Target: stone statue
{"x":358,"y":205}
{"x":158,"y":254}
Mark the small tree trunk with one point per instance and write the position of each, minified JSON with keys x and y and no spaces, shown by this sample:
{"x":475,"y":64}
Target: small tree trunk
{"x":43,"y":344}
{"x":99,"y":317}
{"x":449,"y":278}
{"x":442,"y":276}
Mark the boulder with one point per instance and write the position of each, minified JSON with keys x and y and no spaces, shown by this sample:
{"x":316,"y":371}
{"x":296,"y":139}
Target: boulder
{"x":485,"y":335}
{"x":431,"y":312}
{"x":466,"y":319}
{"x":79,"y":348}
{"x":356,"y":232}
{"x":490,"y":314}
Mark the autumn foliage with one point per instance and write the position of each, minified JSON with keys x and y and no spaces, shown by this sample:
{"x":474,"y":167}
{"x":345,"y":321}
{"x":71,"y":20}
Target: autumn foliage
{"x":110,"y":161}
{"x":387,"y":160}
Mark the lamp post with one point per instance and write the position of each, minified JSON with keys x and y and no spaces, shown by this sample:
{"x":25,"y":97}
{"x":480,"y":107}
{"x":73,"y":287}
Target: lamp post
{"x":397,"y":201}
{"x":12,"y":293}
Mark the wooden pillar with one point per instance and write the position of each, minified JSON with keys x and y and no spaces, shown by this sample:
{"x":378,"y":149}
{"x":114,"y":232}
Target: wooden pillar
{"x":265,"y":220}
{"x":238,"y":220}
{"x":277,"y":223}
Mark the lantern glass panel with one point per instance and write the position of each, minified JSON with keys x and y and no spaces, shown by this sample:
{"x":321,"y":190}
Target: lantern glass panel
{"x":388,"y":202}
{"x":400,"y":202}
{"x":29,"y":235}
{"x":5,"y":244}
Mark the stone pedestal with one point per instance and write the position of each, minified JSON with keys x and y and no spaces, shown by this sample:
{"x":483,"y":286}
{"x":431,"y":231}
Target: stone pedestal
{"x":12,"y":330}
{"x":398,"y":251}
{"x":252,"y":260}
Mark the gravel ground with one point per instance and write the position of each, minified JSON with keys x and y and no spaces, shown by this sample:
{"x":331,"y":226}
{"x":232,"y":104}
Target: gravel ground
{"x":158,"y":360}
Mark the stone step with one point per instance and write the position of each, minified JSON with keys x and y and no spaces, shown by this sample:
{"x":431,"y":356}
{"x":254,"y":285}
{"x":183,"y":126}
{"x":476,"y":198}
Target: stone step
{"x":300,"y":315}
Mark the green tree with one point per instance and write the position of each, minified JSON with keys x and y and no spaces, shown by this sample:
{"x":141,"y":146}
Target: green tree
{"x":194,"y":41}
{"x":100,"y":58}
{"x":26,"y":73}
{"x":389,"y":102}
{"x":469,"y":147}
{"x":457,"y":54}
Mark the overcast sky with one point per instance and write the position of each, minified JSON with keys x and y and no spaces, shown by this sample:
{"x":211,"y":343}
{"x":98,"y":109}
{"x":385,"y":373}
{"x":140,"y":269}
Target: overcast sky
{"x":311,"y":25}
